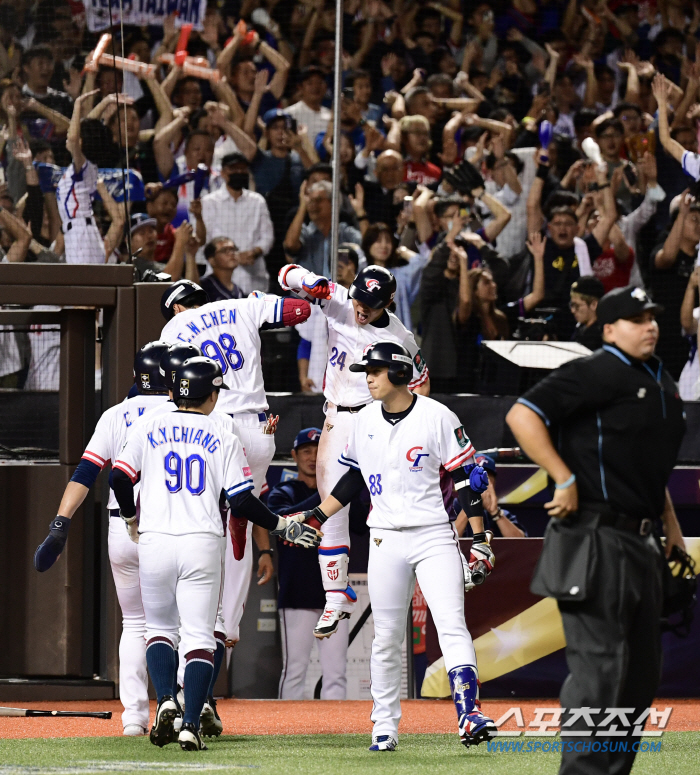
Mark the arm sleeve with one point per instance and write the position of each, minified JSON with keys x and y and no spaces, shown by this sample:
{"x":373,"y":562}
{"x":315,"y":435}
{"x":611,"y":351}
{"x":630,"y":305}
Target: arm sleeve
{"x":349,"y":485}
{"x":281,"y":501}
{"x":86,"y":473}
{"x":469,"y":500}
{"x":124,"y":492}
{"x":304,"y":350}
{"x":245,"y":505}
{"x":691,"y":164}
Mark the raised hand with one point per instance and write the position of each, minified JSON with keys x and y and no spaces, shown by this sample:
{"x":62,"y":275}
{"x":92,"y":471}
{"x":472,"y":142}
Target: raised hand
{"x":536,"y":244}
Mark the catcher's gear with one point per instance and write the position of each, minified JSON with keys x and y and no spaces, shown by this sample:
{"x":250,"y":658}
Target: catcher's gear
{"x":478,"y":478}
{"x":147,"y":375}
{"x":298,"y":533}
{"x":390,"y":354}
{"x":198,"y":377}
{"x":132,"y":527}
{"x":374,"y":287}
{"x":481,"y":557}
{"x":180,"y":292}
{"x":174,"y":357}
{"x":680,"y":587}
{"x":50,"y":550}
{"x":465,"y":178}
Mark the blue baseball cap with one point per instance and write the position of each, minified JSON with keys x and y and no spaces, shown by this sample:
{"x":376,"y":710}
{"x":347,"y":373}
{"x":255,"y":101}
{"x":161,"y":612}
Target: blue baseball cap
{"x":139,"y":220}
{"x":307,"y":436}
{"x":486,"y":462}
{"x":276,"y":113}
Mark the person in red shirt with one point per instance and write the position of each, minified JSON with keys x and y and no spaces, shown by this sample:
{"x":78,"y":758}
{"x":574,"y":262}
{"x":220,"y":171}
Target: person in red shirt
{"x":614,"y":265}
{"x":161,"y":204}
{"x":415,"y":144}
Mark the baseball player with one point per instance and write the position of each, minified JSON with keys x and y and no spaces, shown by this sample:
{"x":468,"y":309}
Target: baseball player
{"x":108,"y":438}
{"x":76,"y":188}
{"x":397,"y":447}
{"x":185,"y":461}
{"x":357,"y":318}
{"x":229,"y":332}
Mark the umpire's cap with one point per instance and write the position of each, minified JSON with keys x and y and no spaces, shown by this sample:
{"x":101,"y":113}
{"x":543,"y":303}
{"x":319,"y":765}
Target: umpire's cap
{"x":174,"y":356}
{"x":147,"y":375}
{"x":628,"y":302}
{"x":182,"y":292}
{"x":391,"y":354}
{"x":197,"y":378}
{"x":374,"y":287}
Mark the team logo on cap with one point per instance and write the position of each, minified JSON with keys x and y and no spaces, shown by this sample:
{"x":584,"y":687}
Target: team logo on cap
{"x":313,"y":435}
{"x":145,"y":382}
{"x":184,"y":387}
{"x":372,"y":284}
{"x":217,"y":381}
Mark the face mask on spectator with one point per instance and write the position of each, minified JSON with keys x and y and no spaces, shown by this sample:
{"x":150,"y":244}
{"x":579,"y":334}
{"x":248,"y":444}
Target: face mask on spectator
{"x":238,"y":180}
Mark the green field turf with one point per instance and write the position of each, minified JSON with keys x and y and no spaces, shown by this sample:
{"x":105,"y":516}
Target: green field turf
{"x":314,"y":754}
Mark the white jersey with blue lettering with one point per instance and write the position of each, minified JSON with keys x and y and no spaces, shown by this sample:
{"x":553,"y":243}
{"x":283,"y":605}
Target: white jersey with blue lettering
{"x":112,"y":429}
{"x":75,"y":191}
{"x":229,"y":333}
{"x":185,"y":460}
{"x":348,"y":340}
{"x":224,"y":421}
{"x":400,"y":461}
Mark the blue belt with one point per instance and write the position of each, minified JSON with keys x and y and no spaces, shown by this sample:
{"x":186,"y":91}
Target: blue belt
{"x":114,"y":513}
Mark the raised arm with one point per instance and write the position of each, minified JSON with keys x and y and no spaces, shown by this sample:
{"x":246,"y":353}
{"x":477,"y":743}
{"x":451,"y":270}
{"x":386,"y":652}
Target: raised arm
{"x":251,"y":116}
{"x":243,"y":140}
{"x":229,"y":51}
{"x":464,"y":301}
{"x":688,"y":321}
{"x":424,"y":226}
{"x":607,"y":207}
{"x":224,"y":93}
{"x":660,"y":90}
{"x":20,"y":233}
{"x":116,"y":213}
{"x":534,"y":198}
{"x":73,"y":138}
{"x":501,"y":216}
{"x":57,"y":119}
{"x":666,"y":257}
{"x":536,"y":245}
{"x":161,"y":142}
{"x":279,"y":79}
{"x":163,"y":104}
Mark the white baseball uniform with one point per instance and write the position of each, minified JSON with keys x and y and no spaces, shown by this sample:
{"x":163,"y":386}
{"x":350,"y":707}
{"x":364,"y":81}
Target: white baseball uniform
{"x":74,"y":194}
{"x":346,"y":393}
{"x":185,"y":461}
{"x":411,"y":537}
{"x":229,"y":332}
{"x":104,"y":446}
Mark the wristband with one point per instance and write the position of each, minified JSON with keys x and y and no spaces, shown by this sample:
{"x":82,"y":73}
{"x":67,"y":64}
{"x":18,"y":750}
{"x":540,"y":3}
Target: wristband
{"x":566,"y":484}
{"x":542,"y":172}
{"x":479,"y":538}
{"x":495,"y":517}
{"x":605,"y":185}
{"x":265,"y":551}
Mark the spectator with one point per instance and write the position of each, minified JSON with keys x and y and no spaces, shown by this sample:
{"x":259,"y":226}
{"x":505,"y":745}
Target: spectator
{"x":586,"y":292}
{"x":301,"y":595}
{"x":689,"y":382}
{"x":161,"y":204}
{"x":242,"y":215}
{"x":610,"y":137}
{"x":144,"y":241}
{"x":383,"y":200}
{"x":360,"y":82}
{"x":309,"y":111}
{"x":416,"y":142}
{"x":380,"y":247}
{"x":309,"y":244}
{"x":222,"y":255}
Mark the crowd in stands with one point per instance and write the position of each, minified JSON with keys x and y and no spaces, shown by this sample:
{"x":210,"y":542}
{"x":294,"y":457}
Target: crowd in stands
{"x":447,"y":174}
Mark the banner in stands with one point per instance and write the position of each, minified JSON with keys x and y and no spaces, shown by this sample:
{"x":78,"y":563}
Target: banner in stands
{"x":143,"y":13}
{"x":519,"y":638}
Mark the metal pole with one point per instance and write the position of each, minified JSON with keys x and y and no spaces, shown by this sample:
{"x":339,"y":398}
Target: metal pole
{"x":337,"y":96}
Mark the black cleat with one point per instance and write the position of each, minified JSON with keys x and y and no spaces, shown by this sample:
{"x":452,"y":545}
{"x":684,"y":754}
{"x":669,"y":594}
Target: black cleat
{"x":189,"y":738}
{"x":163,"y":731}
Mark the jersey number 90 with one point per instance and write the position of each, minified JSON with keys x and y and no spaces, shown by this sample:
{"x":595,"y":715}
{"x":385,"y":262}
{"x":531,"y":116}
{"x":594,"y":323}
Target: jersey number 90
{"x":224,"y":351}
{"x":195,"y":473}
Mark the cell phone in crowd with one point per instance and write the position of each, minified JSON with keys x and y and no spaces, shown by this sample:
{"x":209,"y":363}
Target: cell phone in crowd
{"x":408,"y":206}
{"x":630,"y":174}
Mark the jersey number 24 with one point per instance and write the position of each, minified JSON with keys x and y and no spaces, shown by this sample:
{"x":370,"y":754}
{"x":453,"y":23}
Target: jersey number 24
{"x":338,"y":359}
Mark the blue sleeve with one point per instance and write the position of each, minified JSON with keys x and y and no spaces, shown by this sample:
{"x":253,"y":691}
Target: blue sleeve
{"x":282,"y":500}
{"x":304,"y":350}
{"x":86,"y":473}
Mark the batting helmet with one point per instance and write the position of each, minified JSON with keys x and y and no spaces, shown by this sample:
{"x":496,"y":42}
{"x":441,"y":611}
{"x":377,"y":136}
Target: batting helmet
{"x":374,"y":286}
{"x":147,"y":375}
{"x":197,"y":378}
{"x":179,"y":292}
{"x":173,"y":358}
{"x":391,"y":354}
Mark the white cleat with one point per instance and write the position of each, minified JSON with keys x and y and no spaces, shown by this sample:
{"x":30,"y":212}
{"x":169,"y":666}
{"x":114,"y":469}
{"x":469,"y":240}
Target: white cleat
{"x":328,"y":622}
{"x":134,"y":730}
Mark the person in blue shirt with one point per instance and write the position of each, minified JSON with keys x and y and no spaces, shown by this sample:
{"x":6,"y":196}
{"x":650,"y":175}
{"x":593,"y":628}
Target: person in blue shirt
{"x":301,"y":596}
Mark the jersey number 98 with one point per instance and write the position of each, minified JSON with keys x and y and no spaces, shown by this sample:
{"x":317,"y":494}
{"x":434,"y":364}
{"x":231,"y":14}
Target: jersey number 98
{"x":195,"y":473}
{"x":224,"y":351}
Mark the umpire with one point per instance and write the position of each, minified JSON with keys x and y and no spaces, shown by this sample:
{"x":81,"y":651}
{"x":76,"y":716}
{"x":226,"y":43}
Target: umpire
{"x":619,"y":422}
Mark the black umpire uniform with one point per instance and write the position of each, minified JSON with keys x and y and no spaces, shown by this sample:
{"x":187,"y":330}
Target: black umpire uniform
{"x":619,"y":424}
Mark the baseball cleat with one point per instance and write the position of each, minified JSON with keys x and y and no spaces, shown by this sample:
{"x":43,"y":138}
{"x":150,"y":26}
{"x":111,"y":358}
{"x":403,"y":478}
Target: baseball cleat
{"x":328,"y":623}
{"x":475,"y":728}
{"x":209,"y":722}
{"x":383,"y":743}
{"x":163,"y":731}
{"x":134,"y":730}
{"x":189,"y":738}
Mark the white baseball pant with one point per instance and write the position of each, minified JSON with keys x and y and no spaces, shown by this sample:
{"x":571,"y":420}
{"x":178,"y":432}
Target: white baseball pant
{"x":83,"y":243}
{"x":259,"y":449}
{"x":180,"y":585}
{"x":297,"y":628}
{"x":336,"y":531}
{"x":431,"y":555}
{"x":133,"y":674}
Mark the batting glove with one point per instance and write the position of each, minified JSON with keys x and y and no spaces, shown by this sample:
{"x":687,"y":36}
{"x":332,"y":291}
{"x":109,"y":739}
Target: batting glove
{"x":481,"y":553}
{"x":316,"y":286}
{"x":132,"y":527}
{"x":295,"y":532}
{"x":478,"y":478}
{"x":50,"y":550}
